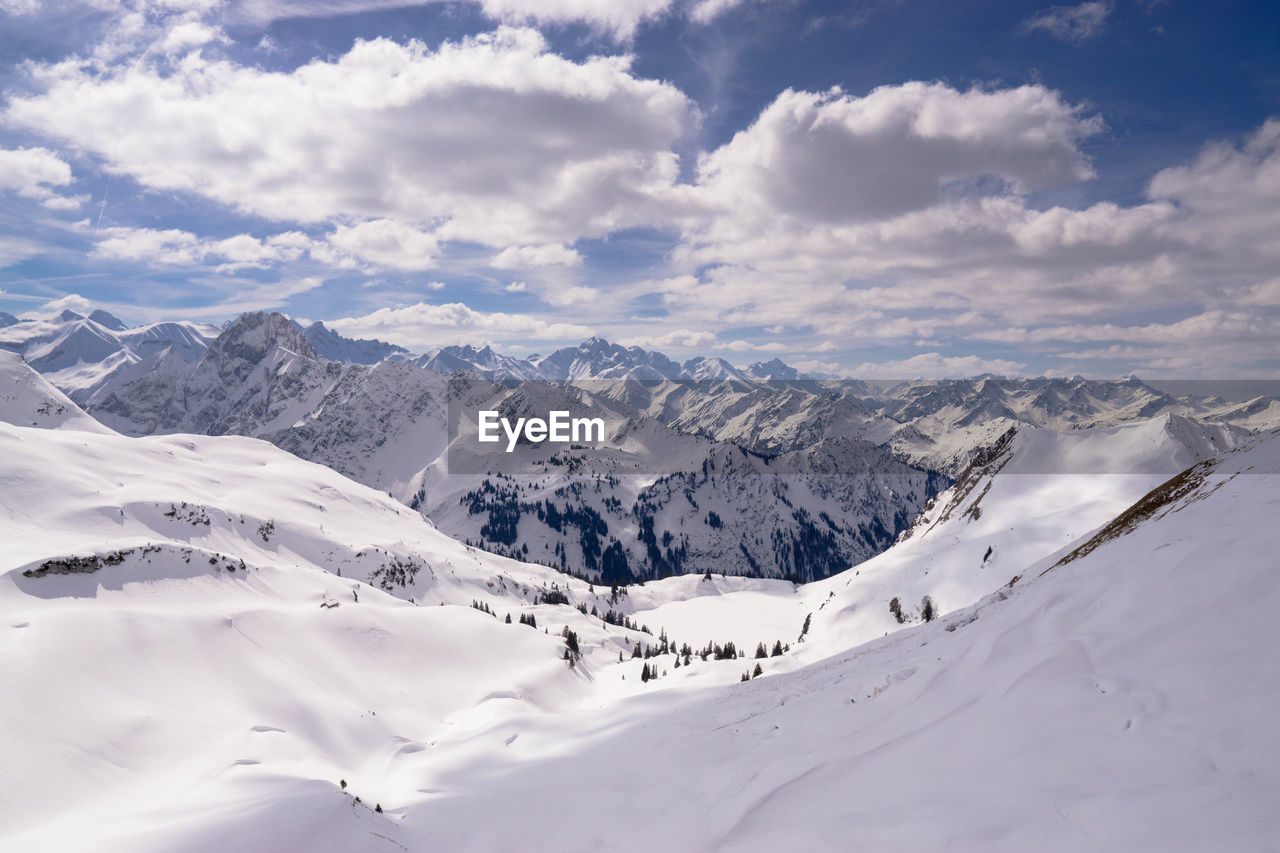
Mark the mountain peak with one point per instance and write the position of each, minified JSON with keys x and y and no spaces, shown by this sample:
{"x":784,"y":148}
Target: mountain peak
{"x":254,"y":335}
{"x":335,"y":347}
{"x":108,"y":321}
{"x":775,"y":368}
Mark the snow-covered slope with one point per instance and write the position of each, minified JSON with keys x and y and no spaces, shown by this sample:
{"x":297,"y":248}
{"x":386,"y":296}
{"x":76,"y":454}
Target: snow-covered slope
{"x":1031,"y":495}
{"x":209,"y":644}
{"x":1120,"y":701}
{"x":27,"y":399}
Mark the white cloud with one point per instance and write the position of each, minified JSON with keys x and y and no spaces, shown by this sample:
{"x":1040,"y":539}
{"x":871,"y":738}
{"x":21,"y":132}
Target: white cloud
{"x":576,"y":295}
{"x":931,"y":365}
{"x":524,"y":257}
{"x":469,"y":137}
{"x":683,"y":338}
{"x":187,"y":34}
{"x":705,"y":11}
{"x":831,"y":158}
{"x":174,"y":247}
{"x":618,"y":18}
{"x":432,"y":325}
{"x":33,"y":172}
{"x":70,"y":302}
{"x":385,"y":243}
{"x":14,"y":250}
{"x":516,"y":287}
{"x":1071,"y":23}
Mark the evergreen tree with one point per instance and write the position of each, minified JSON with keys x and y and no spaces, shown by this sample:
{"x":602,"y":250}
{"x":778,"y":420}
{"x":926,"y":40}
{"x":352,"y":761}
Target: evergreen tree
{"x":777,"y":649}
{"x":758,"y":671}
{"x":760,"y":651}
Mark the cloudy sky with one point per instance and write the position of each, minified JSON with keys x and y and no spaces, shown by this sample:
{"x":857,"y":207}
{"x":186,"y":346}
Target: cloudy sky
{"x":890,"y":187}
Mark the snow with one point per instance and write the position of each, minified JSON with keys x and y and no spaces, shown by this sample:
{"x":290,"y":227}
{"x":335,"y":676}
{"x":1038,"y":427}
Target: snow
{"x":179,"y":699}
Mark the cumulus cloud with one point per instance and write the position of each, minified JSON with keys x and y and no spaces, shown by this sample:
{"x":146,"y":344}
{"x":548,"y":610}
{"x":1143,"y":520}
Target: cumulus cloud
{"x":682,"y":338}
{"x":70,"y":302}
{"x":433,"y":325}
{"x":617,"y":18}
{"x":174,"y":247}
{"x":524,"y":257}
{"x":574,"y":295}
{"x":382,"y":242}
{"x":833,"y":158}
{"x":33,"y":173}
{"x":1071,"y":23}
{"x":186,"y":34}
{"x":469,"y":138}
{"x":931,"y":365}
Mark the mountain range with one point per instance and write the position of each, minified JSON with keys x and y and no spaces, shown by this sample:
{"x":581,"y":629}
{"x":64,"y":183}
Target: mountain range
{"x":706,"y":467}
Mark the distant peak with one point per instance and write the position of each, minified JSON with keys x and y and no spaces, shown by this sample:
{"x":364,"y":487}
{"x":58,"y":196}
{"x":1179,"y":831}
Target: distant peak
{"x":108,"y":321}
{"x":252,"y":335}
{"x":69,"y":316}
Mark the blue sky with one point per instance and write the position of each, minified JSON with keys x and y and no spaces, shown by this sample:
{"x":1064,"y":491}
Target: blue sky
{"x":881,"y":188}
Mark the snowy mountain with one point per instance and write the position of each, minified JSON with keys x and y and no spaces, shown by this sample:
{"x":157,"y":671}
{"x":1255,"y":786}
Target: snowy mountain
{"x":333,"y":346}
{"x":794,"y":479}
{"x":378,"y":424}
{"x":483,"y":362}
{"x":594,"y":359}
{"x":654,"y":504}
{"x":773,"y":370}
{"x":82,"y":354}
{"x":210,"y":643}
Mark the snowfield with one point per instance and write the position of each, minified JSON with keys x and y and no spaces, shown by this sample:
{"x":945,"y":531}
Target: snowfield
{"x":203,"y":638}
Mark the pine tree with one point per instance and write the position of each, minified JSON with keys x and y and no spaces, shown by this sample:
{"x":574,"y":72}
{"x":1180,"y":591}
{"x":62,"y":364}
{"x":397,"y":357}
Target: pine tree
{"x":758,"y":671}
{"x":760,"y":651}
{"x":777,"y":649}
